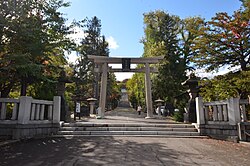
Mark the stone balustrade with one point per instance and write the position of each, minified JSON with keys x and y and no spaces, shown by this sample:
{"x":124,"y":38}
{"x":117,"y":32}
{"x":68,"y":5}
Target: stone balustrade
{"x":220,"y":118}
{"x":231,"y":111}
{"x":13,"y":104}
{"x":28,"y":117}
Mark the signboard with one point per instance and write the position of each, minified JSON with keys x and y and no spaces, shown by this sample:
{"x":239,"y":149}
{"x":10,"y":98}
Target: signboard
{"x":78,"y":107}
{"x":126,"y":64}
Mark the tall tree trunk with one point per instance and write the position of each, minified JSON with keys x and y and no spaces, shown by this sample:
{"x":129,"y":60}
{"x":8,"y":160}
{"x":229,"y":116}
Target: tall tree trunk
{"x":243,"y":65}
{"x":24,"y":86}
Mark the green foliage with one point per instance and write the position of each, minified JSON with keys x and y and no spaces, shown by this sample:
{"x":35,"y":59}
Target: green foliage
{"x":187,"y":28}
{"x":92,"y":44}
{"x":159,"y":28}
{"x":83,"y":77}
{"x":178,"y":116}
{"x":226,"y":86}
{"x":113,"y":91}
{"x":136,"y":89}
{"x":31,"y":33}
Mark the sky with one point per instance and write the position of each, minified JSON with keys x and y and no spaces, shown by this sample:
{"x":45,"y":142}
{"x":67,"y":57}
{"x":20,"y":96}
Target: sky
{"x":122,"y":20}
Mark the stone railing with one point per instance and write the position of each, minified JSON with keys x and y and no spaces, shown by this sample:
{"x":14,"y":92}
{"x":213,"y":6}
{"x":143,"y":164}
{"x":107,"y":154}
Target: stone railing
{"x":220,"y":118}
{"x":4,"y":102}
{"x":231,"y":111}
{"x":28,"y":117}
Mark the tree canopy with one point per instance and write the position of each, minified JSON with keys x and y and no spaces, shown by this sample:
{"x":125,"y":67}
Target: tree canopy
{"x":223,"y":41}
{"x":32,"y":34}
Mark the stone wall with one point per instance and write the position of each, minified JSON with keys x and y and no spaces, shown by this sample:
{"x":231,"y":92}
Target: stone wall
{"x":17,"y":131}
{"x":218,"y":131}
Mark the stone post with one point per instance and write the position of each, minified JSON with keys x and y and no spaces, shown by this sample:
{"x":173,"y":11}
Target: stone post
{"x":24,"y":110}
{"x":200,"y":111}
{"x":234,"y":111}
{"x":56,"y":109}
{"x":148,"y":91}
{"x":102,"y":101}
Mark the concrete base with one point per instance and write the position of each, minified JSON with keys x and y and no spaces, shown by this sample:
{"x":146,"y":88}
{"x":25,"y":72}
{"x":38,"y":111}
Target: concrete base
{"x":92,"y":115}
{"x":147,"y":117}
{"x":22,"y":131}
{"x":244,"y":131}
{"x":100,"y":117}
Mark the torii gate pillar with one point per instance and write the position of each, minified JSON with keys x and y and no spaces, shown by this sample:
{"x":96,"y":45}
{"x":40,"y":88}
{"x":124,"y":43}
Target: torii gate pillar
{"x":148,"y":92}
{"x":103,"y":91}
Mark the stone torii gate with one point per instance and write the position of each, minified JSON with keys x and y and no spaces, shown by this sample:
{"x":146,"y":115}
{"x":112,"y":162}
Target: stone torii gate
{"x":103,"y":62}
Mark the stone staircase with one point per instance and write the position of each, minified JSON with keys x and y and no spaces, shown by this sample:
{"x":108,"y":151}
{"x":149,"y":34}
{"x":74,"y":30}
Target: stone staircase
{"x":127,"y":129}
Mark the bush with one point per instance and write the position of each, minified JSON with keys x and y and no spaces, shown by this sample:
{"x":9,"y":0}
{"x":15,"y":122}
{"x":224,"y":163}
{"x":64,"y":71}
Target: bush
{"x":178,"y":116}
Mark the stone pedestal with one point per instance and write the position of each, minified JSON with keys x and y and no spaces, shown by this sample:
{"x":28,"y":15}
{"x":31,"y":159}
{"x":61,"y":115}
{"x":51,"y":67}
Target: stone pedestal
{"x":91,"y":105}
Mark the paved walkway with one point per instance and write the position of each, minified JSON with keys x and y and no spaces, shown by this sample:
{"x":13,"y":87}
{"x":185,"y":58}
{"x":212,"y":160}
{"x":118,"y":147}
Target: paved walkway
{"x":125,"y":151}
{"x":125,"y":114}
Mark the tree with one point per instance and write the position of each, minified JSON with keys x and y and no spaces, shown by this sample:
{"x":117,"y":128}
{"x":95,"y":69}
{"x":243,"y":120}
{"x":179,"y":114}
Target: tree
{"x":31,"y":33}
{"x":161,"y":39}
{"x":223,"y":41}
{"x":93,"y":44}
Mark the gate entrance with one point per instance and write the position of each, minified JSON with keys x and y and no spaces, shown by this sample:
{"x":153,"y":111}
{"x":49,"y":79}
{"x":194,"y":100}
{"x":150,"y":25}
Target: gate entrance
{"x":103,"y":68}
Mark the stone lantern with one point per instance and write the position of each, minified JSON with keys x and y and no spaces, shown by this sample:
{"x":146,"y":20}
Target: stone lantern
{"x":159,"y":104}
{"x":92,"y":104}
{"x":193,"y":91}
{"x":61,"y":88}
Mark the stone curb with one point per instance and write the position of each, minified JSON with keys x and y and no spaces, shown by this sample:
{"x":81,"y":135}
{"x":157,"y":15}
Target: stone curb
{"x":8,"y":142}
{"x":245,"y":143}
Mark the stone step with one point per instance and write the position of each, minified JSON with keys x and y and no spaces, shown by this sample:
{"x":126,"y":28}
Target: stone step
{"x":128,"y":129}
{"x":127,"y":133}
{"x":126,"y":125}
